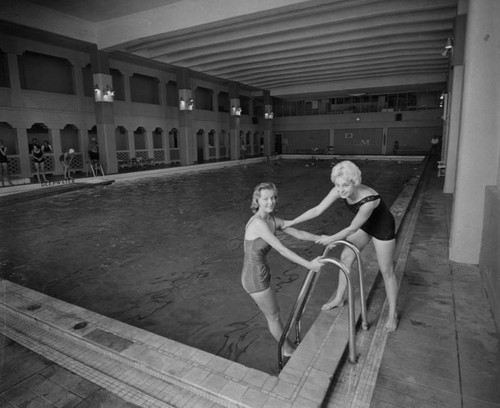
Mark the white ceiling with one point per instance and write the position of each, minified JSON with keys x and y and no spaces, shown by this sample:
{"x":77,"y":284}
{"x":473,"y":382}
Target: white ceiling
{"x":290,"y":47}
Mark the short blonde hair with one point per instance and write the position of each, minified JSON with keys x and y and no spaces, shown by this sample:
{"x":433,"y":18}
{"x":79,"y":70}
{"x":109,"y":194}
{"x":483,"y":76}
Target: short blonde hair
{"x":256,"y":194}
{"x":348,"y":170}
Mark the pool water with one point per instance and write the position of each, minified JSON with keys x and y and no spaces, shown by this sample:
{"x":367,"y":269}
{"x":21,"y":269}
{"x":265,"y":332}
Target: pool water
{"x":165,"y":253}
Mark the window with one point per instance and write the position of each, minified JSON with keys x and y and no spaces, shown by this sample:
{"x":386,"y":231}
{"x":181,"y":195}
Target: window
{"x":203,"y":98}
{"x":118,"y":84}
{"x":4,"y":70}
{"x":144,"y":89}
{"x":40,"y":72}
{"x":172,"y":94}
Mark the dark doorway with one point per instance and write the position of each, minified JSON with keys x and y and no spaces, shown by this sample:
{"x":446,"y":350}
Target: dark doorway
{"x":278,"y":143}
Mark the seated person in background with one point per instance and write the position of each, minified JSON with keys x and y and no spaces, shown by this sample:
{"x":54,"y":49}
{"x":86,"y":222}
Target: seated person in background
{"x":46,"y":147}
{"x":93,"y":150}
{"x":435,"y":147}
{"x":34,"y":141}
{"x":65,"y":160}
{"x":396,"y":147}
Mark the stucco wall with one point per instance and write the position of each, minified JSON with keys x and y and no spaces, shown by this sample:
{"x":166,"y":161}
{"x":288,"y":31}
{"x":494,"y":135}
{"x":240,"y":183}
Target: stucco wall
{"x":489,"y":262}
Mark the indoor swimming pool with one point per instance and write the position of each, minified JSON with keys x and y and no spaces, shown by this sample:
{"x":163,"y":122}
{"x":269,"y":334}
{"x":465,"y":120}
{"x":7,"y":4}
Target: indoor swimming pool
{"x":165,"y":253}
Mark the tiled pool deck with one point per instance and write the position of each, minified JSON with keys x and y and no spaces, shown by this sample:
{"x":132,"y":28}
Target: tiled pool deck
{"x":147,"y":370}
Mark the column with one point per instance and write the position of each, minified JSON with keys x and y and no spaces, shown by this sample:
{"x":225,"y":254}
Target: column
{"x":24,"y":154}
{"x":478,"y":148}
{"x":252,"y":144}
{"x":105,"y":120}
{"x":55,"y":136}
{"x":15,"y":83}
{"x":215,"y":100}
{"x":149,"y":143}
{"x":217,"y":145}
{"x":131,"y":142}
{"x":268,"y":122}
{"x":187,"y":140}
{"x":234,"y":122}
{"x":454,"y":105}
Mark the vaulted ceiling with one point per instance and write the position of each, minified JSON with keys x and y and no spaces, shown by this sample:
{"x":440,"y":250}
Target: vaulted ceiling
{"x":289,"y":47}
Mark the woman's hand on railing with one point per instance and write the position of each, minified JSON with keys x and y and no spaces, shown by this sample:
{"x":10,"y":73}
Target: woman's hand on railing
{"x":316,"y":264}
{"x":325,"y":240}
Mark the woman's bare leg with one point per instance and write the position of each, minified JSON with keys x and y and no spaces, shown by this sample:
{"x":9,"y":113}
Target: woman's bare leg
{"x":37,"y":166}
{"x":385,"y":255}
{"x":42,"y":166}
{"x":268,"y":304}
{"x":359,"y":239}
{"x":5,"y":172}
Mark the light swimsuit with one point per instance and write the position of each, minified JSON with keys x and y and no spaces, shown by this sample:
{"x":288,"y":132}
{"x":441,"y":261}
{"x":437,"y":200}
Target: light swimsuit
{"x":255,"y":275}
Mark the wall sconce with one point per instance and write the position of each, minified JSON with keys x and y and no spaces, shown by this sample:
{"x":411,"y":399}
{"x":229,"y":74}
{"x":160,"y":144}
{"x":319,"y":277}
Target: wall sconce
{"x":186,"y":105}
{"x":448,"y":48}
{"x":103,"y":95}
{"x":443,"y":100}
{"x":235,"y":111}
{"x":268,"y":111}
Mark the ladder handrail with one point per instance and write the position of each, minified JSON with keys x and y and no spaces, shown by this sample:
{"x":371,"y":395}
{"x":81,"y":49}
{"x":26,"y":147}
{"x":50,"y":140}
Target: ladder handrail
{"x":297,"y":307}
{"x":300,"y":310}
{"x":350,"y":298}
{"x":354,"y":248}
{"x":305,"y":292}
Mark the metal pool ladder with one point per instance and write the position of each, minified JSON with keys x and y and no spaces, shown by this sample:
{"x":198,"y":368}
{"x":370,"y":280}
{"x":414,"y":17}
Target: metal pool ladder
{"x":305,"y":293}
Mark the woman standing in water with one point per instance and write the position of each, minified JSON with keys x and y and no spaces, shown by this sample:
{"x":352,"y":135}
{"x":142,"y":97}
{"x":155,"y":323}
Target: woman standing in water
{"x":373,"y":221}
{"x":259,"y":239}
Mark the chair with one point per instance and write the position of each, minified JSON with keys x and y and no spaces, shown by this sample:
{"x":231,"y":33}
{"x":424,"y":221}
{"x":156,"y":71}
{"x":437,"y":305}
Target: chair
{"x":441,"y":168}
{"x":95,"y":167}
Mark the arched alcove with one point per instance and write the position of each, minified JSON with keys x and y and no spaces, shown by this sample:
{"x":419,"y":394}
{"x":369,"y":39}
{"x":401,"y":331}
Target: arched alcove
{"x":173,"y":143}
{"x":8,"y":137}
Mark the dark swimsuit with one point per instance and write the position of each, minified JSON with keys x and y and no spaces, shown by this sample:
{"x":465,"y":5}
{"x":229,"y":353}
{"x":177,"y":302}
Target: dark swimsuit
{"x":255,"y":275}
{"x":38,"y":156}
{"x":3,"y":157}
{"x":381,"y":224}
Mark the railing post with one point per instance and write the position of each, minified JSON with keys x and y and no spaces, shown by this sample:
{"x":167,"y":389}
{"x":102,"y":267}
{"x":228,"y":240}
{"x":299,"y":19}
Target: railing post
{"x":297,"y":308}
{"x":350,"y":301}
{"x":364,"y":319}
{"x":305,"y":292}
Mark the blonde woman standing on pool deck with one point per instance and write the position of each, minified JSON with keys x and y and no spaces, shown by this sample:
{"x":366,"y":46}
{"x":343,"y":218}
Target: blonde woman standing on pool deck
{"x":373,"y":221}
{"x":66,"y":158}
{"x":259,"y":239}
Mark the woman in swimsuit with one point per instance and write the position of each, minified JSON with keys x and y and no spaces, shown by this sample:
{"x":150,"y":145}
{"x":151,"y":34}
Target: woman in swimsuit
{"x":39,"y":160}
{"x":65,"y":159}
{"x":259,"y":239}
{"x":4,"y":163}
{"x":373,"y":221}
